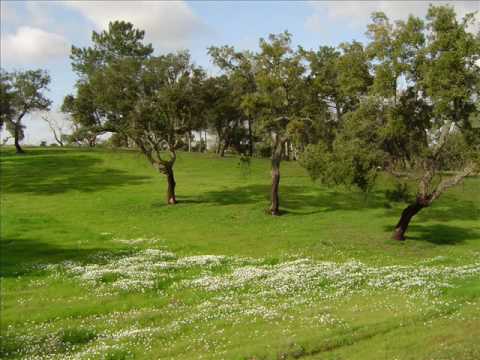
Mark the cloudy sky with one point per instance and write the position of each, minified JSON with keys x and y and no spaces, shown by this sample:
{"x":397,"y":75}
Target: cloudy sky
{"x":40,"y":33}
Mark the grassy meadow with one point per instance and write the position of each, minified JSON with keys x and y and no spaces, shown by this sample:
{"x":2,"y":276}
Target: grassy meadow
{"x":95,"y":265}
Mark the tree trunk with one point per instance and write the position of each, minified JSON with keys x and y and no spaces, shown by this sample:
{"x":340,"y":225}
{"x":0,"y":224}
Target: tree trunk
{"x":275,"y":205}
{"x":18,"y":148}
{"x":407,"y":214}
{"x":171,"y":200}
{"x":250,"y":137}
{"x":189,"y":137}
{"x":206,"y":144}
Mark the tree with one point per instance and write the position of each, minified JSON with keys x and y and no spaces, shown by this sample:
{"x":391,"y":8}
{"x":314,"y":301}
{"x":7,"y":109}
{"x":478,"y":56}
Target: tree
{"x":441,"y":98}
{"x":223,"y":112}
{"x":21,"y":94}
{"x":239,"y":69}
{"x":58,"y":126}
{"x":87,"y":119}
{"x":422,"y":127}
{"x":121,"y":41}
{"x":354,"y":156}
{"x":279,"y":96}
{"x":6,"y":99}
{"x":338,"y":80}
{"x":157,"y":94}
{"x":340,"y":77}
{"x":123,"y":88}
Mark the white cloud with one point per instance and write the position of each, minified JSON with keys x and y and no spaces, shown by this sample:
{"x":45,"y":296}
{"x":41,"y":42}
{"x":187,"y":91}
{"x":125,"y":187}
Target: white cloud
{"x":168,"y":24}
{"x":356,"y":14}
{"x":32,"y":45}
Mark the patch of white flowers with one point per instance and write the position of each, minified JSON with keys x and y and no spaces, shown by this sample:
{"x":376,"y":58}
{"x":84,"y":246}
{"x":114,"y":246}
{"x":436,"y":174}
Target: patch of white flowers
{"x":304,"y":275}
{"x":237,"y":290}
{"x":145,"y":269}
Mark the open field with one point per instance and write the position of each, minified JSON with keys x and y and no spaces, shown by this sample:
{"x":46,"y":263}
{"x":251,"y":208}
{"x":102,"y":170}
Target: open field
{"x":95,"y":265}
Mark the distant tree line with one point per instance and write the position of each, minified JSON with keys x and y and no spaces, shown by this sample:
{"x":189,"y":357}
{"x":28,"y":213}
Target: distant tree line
{"x":406,"y":103}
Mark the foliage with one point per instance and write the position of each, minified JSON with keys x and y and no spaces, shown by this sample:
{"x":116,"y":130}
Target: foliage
{"x":22,"y":92}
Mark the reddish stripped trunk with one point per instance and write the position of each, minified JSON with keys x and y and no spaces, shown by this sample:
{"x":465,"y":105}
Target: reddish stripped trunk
{"x":18,"y":148}
{"x":407,"y":214}
{"x":275,"y":205}
{"x":171,"y":200}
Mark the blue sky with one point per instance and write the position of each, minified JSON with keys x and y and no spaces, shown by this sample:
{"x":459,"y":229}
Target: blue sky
{"x":39,"y":33}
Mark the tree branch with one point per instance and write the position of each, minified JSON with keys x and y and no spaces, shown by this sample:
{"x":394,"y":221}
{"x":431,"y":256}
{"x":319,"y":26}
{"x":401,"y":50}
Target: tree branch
{"x":452,"y":181}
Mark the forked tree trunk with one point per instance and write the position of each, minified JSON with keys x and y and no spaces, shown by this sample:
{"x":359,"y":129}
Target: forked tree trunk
{"x":407,"y":214}
{"x":275,"y":204}
{"x":171,"y":200}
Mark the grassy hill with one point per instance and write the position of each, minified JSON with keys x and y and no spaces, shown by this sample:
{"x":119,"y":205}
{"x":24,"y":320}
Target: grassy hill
{"x":95,"y":265}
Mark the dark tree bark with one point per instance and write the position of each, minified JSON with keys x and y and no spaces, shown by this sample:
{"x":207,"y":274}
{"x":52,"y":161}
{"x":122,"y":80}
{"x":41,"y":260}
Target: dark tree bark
{"x":171,"y":200}
{"x":18,"y":148}
{"x":250,"y":137}
{"x":275,"y":200}
{"x":277,"y":152}
{"x":425,"y":198}
{"x":407,"y":214}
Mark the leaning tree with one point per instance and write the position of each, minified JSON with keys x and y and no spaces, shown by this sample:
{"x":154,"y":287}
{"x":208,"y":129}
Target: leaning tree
{"x":22,"y":92}
{"x":439,"y":103}
{"x":418,"y":119}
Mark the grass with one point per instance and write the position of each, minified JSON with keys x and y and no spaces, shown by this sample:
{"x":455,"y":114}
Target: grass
{"x":95,"y":265}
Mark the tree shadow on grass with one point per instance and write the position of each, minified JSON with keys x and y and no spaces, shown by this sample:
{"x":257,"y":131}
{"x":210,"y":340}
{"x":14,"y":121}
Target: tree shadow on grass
{"x":441,"y":234}
{"x":293,"y":199}
{"x":18,"y":256}
{"x":53,"y":174}
{"x":300,"y":200}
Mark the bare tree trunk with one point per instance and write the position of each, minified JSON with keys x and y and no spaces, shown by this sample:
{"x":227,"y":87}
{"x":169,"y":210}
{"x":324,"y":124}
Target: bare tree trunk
{"x":275,"y":201}
{"x":222,"y":149}
{"x":407,"y":214}
{"x":250,"y":137}
{"x":18,"y":148}
{"x":189,"y":137}
{"x":171,"y":200}
{"x":277,"y":152}
{"x":206,"y":144}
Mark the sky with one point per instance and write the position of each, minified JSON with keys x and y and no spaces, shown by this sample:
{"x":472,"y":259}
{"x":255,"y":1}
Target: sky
{"x":39,"y":34}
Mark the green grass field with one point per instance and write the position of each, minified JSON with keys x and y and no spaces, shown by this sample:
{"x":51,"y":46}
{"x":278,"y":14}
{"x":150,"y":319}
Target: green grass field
{"x":95,"y":265}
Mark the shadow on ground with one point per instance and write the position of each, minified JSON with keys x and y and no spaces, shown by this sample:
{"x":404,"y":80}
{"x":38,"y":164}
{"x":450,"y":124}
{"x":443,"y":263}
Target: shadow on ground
{"x":294,"y":199}
{"x":441,"y":234}
{"x":297,"y":200}
{"x":19,"y":255}
{"x":44,"y":175}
